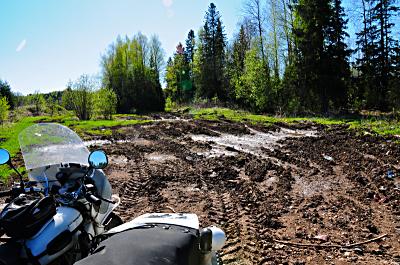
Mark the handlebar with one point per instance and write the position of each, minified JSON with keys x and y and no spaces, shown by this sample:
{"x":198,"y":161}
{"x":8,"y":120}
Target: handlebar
{"x":15,"y":192}
{"x":92,"y":199}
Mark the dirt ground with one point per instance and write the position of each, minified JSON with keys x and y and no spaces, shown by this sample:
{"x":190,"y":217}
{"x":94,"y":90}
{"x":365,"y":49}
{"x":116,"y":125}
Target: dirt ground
{"x":302,"y":183}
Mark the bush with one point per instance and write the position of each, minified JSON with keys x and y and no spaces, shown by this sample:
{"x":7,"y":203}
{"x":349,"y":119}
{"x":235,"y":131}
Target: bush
{"x":38,"y":102}
{"x":105,"y":103}
{"x":80,"y":97}
{"x":169,"y":104}
{"x":4,"y":109}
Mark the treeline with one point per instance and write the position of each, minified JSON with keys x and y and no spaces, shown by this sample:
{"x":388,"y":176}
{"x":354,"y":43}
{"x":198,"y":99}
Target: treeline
{"x":292,"y":56}
{"x":287,"y":56}
{"x":84,"y":97}
{"x":129,"y":83}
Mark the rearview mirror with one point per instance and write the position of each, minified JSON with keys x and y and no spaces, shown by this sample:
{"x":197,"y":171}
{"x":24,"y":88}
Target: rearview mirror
{"x":98,"y":159}
{"x":4,"y":156}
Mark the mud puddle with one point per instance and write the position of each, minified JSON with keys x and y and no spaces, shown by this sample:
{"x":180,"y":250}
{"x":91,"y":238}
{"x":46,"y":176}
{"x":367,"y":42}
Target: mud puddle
{"x":137,"y":141}
{"x":158,"y":157}
{"x":253,"y":143}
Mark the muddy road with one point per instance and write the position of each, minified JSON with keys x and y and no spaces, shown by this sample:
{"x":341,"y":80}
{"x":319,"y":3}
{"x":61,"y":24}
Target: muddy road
{"x":301,"y":183}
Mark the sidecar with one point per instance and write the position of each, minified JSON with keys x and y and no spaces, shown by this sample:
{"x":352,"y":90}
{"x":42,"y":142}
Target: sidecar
{"x":159,"y":238}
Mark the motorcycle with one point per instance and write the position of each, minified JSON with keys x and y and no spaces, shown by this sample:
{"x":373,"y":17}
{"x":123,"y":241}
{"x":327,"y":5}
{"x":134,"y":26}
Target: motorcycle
{"x":159,"y":238}
{"x":58,"y":215}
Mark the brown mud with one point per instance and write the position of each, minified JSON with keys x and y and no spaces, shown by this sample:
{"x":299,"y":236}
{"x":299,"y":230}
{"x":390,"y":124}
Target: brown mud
{"x":260,"y":184}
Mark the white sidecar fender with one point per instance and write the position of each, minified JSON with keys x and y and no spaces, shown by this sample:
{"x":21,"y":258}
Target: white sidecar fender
{"x":181,"y":219}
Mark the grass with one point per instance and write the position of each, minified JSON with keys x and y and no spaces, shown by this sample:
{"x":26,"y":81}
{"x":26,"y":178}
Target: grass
{"x":97,"y":127}
{"x":240,"y":115}
{"x":9,"y":135}
{"x":9,"y":132}
{"x":380,"y":125}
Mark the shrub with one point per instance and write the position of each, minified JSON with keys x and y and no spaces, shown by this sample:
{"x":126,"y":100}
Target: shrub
{"x":105,"y":103}
{"x":4,"y":109}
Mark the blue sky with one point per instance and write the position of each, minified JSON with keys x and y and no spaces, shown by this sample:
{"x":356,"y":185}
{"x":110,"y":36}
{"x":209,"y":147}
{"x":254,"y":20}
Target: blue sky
{"x":46,"y":43}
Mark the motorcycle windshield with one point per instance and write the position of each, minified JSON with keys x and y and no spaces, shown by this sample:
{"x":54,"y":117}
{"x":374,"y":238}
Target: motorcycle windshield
{"x":46,"y":144}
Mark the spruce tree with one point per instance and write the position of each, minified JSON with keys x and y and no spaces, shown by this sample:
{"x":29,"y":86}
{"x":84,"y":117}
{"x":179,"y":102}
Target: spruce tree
{"x":190,"y":46}
{"x":377,"y":47}
{"x":338,"y":55}
{"x":190,"y":51}
{"x":322,"y":56}
{"x":212,"y":81}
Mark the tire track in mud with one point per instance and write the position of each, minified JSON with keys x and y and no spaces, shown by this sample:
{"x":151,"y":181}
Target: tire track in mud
{"x":131,"y":195}
{"x":234,"y":213}
{"x":256,"y":199}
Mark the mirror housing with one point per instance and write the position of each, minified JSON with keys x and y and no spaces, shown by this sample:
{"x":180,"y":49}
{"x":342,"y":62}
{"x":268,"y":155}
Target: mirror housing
{"x":4,"y":157}
{"x":98,"y":159}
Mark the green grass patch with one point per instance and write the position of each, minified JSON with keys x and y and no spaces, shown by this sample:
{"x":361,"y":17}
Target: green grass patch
{"x":100,"y":127}
{"x":382,"y":127}
{"x":9,"y":136}
{"x":97,"y":127}
{"x":244,"y":116}
{"x":9,"y":132}
{"x":379,"y":125}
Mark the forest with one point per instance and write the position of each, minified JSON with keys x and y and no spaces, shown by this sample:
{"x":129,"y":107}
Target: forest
{"x":287,"y":57}
{"x":293,"y":57}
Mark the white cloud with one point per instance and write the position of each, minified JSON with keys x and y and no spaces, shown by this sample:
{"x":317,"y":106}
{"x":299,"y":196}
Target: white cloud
{"x":21,"y":46}
{"x":167,"y":3}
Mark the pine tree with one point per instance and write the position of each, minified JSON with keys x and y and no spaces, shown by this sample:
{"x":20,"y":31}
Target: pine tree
{"x":240,"y":46}
{"x":190,"y":46}
{"x":311,"y":21}
{"x":211,"y":82}
{"x":322,"y":56}
{"x":394,"y":80}
{"x":377,"y":47}
{"x":338,"y":54}
{"x":189,"y":51}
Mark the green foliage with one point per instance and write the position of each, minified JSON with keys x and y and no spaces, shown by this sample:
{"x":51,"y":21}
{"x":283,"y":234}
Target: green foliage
{"x":9,"y":134}
{"x":288,"y":56}
{"x":236,"y":56}
{"x":210,"y":78}
{"x":378,"y":77}
{"x":38,"y":102}
{"x":4,"y":109}
{"x":322,"y":67}
{"x":100,"y":127}
{"x":80,"y":96}
{"x":169,"y":104}
{"x":134,"y":78}
{"x":54,"y":109}
{"x":179,"y":85}
{"x":190,"y":47}
{"x":254,"y":89}
{"x":5,"y":91}
{"x":105,"y":103}
{"x":377,"y":124}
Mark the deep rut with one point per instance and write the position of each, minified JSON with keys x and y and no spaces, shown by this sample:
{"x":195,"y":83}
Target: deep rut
{"x":293,"y":192}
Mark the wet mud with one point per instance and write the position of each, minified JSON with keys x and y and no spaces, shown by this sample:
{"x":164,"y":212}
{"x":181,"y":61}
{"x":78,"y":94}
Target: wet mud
{"x":301,"y":183}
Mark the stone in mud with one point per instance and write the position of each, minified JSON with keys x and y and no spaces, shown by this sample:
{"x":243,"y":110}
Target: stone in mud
{"x":373,"y":229}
